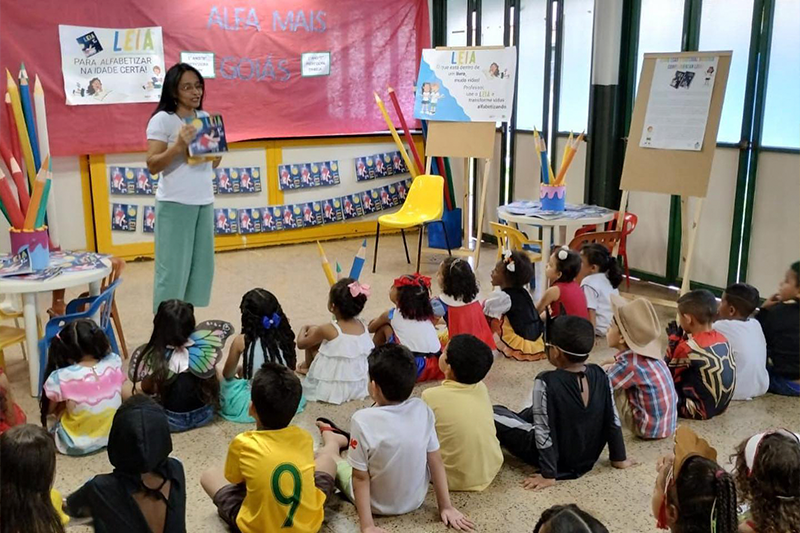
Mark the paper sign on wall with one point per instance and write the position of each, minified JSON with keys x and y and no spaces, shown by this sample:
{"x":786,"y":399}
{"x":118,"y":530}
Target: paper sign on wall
{"x":202,"y":61}
{"x":467,"y":85}
{"x":315,"y":64}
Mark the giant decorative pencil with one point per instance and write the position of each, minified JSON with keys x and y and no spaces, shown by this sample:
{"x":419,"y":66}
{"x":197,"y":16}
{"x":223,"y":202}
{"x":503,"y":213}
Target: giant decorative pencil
{"x":44,"y":149}
{"x":22,"y":130}
{"x":338,"y":271}
{"x":406,"y":132}
{"x":42,"y":211}
{"x":19,"y":179}
{"x":36,"y":198}
{"x":566,"y":149}
{"x":395,"y":136}
{"x":12,"y":132}
{"x":573,"y":149}
{"x":27,"y":111}
{"x":359,"y":260}
{"x":326,"y":266}
{"x":15,"y":217}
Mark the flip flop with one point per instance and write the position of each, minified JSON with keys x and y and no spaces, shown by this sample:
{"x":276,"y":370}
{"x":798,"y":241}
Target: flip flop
{"x":333,"y":428}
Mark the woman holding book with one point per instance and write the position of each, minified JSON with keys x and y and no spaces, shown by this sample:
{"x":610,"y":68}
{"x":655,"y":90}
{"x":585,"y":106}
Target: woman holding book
{"x":184,"y":229}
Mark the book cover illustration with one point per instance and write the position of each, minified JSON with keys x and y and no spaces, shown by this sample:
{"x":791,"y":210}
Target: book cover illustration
{"x":271,"y":219}
{"x":224,"y":180}
{"x":329,"y":173}
{"x":288,"y":220}
{"x":249,"y":179}
{"x":289,"y":177}
{"x":393,"y":195}
{"x":305,"y":176}
{"x":352,"y":206}
{"x":123,"y":217}
{"x":312,"y":214}
{"x":121,"y":180}
{"x":225,"y":221}
{"x":145,"y":185}
{"x":386,"y":198}
{"x":316,"y":174}
{"x":210,"y":138}
{"x":16,"y":264}
{"x":250,"y":220}
{"x":387,"y":164}
{"x":402,"y":191}
{"x":371,"y":167}
{"x":362,"y":174}
{"x":332,"y":210}
{"x":380,"y":167}
{"x":398,"y":165}
{"x":370,"y":203}
{"x":148,"y":219}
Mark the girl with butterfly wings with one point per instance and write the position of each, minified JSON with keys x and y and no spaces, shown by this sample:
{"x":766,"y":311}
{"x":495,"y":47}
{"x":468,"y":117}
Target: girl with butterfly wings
{"x":178,"y":364}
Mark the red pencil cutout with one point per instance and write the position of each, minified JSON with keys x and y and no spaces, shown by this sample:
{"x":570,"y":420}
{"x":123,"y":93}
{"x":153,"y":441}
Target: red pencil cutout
{"x":18,"y":177}
{"x":406,"y":132}
{"x":16,"y":149}
{"x":10,"y":203}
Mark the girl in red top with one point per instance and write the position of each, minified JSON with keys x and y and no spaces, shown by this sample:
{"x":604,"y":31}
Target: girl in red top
{"x":458,"y":304}
{"x":10,"y":413}
{"x":564,"y":294}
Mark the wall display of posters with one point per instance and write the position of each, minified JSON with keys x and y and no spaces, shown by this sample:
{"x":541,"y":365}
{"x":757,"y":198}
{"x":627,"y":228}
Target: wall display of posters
{"x":468,"y":85}
{"x":680,"y":99}
{"x":306,"y":175}
{"x":111,"y":65}
{"x":226,"y":221}
{"x":123,"y":217}
{"x":148,"y":219}
{"x":237,"y":180}
{"x":379,"y":166}
{"x":132,"y":180}
{"x":250,"y":220}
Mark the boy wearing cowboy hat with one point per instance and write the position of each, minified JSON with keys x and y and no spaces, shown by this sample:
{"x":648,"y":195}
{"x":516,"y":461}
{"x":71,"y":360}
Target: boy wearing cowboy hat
{"x":643,"y":387}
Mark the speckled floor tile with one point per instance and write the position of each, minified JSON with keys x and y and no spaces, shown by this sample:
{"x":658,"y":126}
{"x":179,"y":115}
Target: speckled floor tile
{"x":621,"y":499}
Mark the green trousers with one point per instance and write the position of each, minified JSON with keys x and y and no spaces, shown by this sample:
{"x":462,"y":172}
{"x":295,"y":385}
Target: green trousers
{"x":184,"y":268}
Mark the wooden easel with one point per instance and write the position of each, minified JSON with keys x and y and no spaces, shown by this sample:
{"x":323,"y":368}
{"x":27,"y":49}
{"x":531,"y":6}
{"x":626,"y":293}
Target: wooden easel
{"x":674,"y":172}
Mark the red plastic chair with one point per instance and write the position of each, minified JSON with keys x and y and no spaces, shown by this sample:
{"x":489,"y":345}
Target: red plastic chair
{"x":629,"y":225}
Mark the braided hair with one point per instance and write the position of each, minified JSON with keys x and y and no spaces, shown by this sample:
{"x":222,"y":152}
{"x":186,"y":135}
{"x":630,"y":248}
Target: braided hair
{"x":705,"y":496}
{"x":259,"y":307}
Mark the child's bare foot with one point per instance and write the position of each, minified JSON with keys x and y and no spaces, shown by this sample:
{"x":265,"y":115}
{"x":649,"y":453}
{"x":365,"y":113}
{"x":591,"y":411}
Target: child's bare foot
{"x":301,"y":368}
{"x":332,"y":435}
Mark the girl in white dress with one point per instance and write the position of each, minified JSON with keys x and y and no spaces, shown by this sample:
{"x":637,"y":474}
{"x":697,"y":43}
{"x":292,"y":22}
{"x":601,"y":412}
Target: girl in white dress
{"x":336,"y":353}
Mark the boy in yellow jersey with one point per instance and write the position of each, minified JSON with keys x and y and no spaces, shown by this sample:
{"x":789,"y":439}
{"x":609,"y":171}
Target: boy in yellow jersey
{"x":270,"y":481}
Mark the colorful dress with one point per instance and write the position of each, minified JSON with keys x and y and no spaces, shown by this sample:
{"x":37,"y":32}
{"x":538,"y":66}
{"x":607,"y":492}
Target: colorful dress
{"x":573,"y":300}
{"x":421,"y":338}
{"x":515,"y":323}
{"x":339,"y":372}
{"x":463,"y":318}
{"x":92,"y":395}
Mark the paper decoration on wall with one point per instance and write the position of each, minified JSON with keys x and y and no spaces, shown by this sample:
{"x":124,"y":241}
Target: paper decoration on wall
{"x":306,"y":175}
{"x":379,"y":166}
{"x":132,"y":180}
{"x":250,"y":220}
{"x":123,"y":217}
{"x":226,"y":221}
{"x":148,"y":219}
{"x":237,"y":180}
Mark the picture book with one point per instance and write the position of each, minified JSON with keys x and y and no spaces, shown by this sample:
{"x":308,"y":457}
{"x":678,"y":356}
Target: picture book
{"x":352,"y":206}
{"x":148,"y":219}
{"x":81,"y":262}
{"x":123,"y":217}
{"x":362,"y":174}
{"x":269,"y":218}
{"x":249,"y":220}
{"x":224,"y":180}
{"x":316,"y":174}
{"x":392,"y":187}
{"x":40,"y":275}
{"x":387,"y":164}
{"x":332,"y":210}
{"x":249,"y":179}
{"x":386,"y":198}
{"x":144,"y":183}
{"x":288,"y":220}
{"x":398,"y":165}
{"x":210,"y":138}
{"x":297,"y":213}
{"x":312,"y":214}
{"x":334,"y":167}
{"x":305,"y":176}
{"x":122,"y":180}
{"x":289,"y":177}
{"x":370,"y":203}
{"x":380,"y":167}
{"x":225,"y":221}
{"x":402,"y":192}
{"x":371,"y":167}
{"x":16,"y":264}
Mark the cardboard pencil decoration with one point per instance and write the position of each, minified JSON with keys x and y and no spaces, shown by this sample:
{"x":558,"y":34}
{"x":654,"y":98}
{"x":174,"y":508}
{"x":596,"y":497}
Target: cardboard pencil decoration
{"x":566,"y":148}
{"x":40,"y":214}
{"x":22,"y":186}
{"x":326,"y":266}
{"x":406,"y":132}
{"x":36,"y":198}
{"x":10,"y":207}
{"x":22,"y":130}
{"x":359,"y":260}
{"x":395,"y":135}
{"x":338,"y":271}
{"x":569,"y":154}
{"x":27,"y":111}
{"x":44,"y":149}
{"x":16,"y":150}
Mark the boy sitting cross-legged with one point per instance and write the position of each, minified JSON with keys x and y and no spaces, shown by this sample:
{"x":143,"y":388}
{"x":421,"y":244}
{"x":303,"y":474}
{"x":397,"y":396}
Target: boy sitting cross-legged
{"x":393,"y":449}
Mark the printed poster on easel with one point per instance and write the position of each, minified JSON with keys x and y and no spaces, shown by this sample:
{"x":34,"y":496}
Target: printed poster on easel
{"x":680,"y":96}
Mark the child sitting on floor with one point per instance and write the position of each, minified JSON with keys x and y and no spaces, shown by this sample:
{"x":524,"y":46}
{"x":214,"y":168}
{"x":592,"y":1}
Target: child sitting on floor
{"x":147,"y":489}
{"x":11,"y":414}
{"x":393,"y":450}
{"x":410,"y":324}
{"x":692,"y":492}
{"x":643,"y":389}
{"x":463,"y":414}
{"x":768,"y":478}
{"x":336,"y":353}
{"x":780,"y":319}
{"x":568,"y":519}
{"x":458,"y":304}
{"x":82,"y":388}
{"x":572,"y":417}
{"x":512,"y":314}
{"x":564,"y":295}
{"x":178,"y":364}
{"x":746,"y":339}
{"x":266,"y":336}
{"x":599,"y":277}
{"x":28,"y":503}
{"x":700,"y":359}
{"x":270,"y":481}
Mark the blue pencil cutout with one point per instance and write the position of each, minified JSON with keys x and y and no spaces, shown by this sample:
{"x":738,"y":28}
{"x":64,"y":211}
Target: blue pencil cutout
{"x":545,"y":174}
{"x":358,"y":261}
{"x":27,"y":111}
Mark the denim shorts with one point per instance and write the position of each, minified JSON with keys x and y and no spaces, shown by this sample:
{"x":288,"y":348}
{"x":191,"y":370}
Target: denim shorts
{"x":193,"y":419}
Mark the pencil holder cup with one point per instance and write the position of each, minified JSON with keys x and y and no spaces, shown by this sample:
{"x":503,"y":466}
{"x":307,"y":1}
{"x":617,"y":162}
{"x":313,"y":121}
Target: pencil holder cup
{"x":36,"y":241}
{"x":553,"y":197}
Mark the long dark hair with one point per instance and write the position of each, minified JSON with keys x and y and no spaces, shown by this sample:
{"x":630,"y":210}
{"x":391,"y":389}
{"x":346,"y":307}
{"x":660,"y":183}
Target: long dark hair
{"x":703,"y":488}
{"x":276,"y":341}
{"x":28,"y":456}
{"x":74,"y":341}
{"x":597,"y":254}
{"x":169,"y":90}
{"x":458,"y":280}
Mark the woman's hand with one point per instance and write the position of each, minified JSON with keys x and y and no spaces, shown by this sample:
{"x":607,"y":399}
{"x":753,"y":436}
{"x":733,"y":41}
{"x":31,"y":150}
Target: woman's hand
{"x":186,"y":135}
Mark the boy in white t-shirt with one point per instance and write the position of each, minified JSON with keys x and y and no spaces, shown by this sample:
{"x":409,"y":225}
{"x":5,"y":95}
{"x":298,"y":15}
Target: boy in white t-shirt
{"x":393,"y":450}
{"x":744,"y":334}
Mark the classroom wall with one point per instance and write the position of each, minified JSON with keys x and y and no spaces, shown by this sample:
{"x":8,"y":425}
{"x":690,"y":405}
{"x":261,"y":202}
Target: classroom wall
{"x":68,"y":193}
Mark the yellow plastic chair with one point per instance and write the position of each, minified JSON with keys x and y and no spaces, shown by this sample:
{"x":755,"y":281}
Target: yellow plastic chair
{"x":11,"y":309}
{"x":424,"y":204}
{"x":512,"y":239}
{"x":9,"y":336}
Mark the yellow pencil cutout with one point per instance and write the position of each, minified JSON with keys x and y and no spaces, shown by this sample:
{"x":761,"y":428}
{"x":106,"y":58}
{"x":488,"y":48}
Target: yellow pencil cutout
{"x":411,"y":168}
{"x":22,"y":130}
{"x":326,"y":266}
{"x":36,"y":197}
{"x":567,"y":147}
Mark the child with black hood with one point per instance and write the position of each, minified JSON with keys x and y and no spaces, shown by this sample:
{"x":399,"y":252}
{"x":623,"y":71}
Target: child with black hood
{"x":146,"y":492}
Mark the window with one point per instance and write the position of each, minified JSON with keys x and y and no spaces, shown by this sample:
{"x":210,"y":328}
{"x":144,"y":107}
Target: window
{"x":456,"y":22}
{"x":530,"y":88}
{"x":660,"y":29}
{"x":725,"y":25}
{"x":492,"y":21}
{"x":576,"y":65}
{"x":782,"y":106}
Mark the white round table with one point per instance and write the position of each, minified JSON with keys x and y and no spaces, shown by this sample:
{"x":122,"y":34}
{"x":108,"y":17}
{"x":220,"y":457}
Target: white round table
{"x":28,"y":291}
{"x":547,"y":226}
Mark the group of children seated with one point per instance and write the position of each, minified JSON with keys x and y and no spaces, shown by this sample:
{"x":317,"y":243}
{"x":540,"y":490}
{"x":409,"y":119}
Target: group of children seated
{"x":273,"y":479}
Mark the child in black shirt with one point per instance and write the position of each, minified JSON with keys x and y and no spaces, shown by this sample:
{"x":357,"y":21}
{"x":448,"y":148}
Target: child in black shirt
{"x":780,"y":319}
{"x":573,"y":415}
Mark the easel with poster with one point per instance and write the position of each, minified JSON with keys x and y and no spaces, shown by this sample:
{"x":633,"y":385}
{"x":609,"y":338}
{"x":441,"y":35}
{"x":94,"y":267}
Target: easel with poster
{"x":673,"y":135}
{"x":463,"y":92}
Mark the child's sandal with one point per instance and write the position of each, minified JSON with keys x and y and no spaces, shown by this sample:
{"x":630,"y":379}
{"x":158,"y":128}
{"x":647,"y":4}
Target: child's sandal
{"x":333,"y":428}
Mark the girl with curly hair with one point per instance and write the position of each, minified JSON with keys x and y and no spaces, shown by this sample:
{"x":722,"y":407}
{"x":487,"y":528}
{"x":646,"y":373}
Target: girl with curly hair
{"x":458,"y":304}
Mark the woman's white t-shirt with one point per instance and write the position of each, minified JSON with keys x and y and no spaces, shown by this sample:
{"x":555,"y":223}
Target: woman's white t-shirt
{"x":180,"y":182}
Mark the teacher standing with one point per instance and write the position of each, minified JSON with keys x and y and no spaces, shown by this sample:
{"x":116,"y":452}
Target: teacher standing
{"x":184,"y":232}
